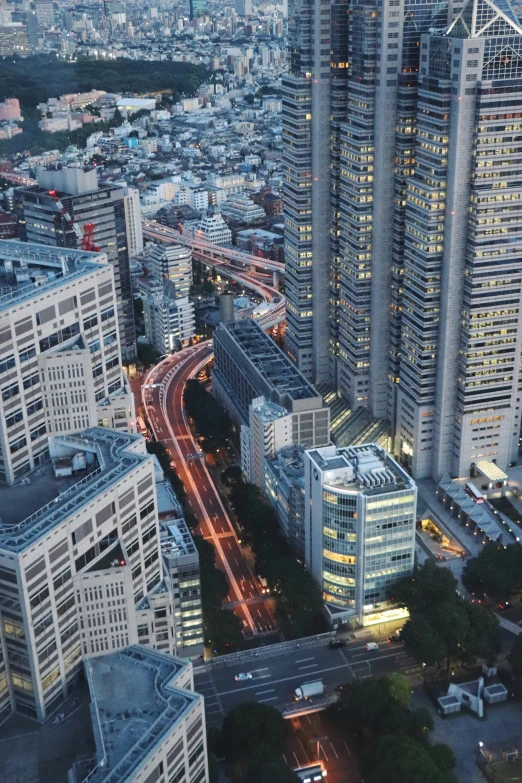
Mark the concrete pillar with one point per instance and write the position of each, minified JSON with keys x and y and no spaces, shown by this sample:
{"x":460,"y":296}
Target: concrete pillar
{"x":275,"y":280}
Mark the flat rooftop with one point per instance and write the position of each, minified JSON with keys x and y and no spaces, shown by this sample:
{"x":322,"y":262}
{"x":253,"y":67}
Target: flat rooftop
{"x":177,"y":539}
{"x":133,"y":704}
{"x":269,"y":360}
{"x":41,"y":500}
{"x":367,"y":468}
{"x":28,"y":269}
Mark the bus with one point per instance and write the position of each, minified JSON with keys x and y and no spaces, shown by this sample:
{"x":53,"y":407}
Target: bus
{"x":474,"y":493}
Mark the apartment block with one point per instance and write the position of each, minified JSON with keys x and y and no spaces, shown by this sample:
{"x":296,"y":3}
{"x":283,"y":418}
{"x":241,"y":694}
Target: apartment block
{"x":60,"y":367}
{"x":79,"y":555}
{"x":359,"y":522}
{"x":248,"y":364}
{"x":170,"y":320}
{"x":284,"y":488}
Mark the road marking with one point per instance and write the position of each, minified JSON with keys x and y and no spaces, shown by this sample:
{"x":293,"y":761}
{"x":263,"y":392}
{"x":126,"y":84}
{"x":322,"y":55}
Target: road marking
{"x":270,"y":698}
{"x":283,"y":679}
{"x":308,"y":666}
{"x":302,"y":660}
{"x":347,"y":748}
{"x":262,"y":693}
{"x":262,"y":669}
{"x":321,"y":748}
{"x":334,"y":750}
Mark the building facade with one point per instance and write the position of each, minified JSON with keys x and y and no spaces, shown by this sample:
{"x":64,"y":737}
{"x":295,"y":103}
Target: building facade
{"x":270,"y":429}
{"x":85,"y":201}
{"x":359,"y":522}
{"x":60,"y":366}
{"x":248,"y":364}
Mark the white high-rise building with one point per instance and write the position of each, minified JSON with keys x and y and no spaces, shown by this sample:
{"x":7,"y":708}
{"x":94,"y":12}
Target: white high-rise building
{"x":270,"y":429}
{"x":360,"y":513}
{"x":174,"y":263}
{"x":60,"y":365}
{"x":133,"y":221}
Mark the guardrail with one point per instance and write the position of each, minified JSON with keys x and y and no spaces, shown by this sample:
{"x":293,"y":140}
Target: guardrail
{"x":269,"y":651}
{"x":294,"y":709}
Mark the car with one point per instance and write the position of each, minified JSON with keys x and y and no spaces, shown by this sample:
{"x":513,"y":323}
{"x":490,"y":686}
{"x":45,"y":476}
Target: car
{"x":504,"y":605}
{"x":371,"y":646}
{"x":484,"y":486}
{"x":336,"y":644}
{"x":243,"y":676}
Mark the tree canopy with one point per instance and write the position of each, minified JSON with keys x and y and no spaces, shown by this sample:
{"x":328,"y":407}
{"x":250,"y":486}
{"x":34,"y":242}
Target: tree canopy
{"x":35,"y":79}
{"x":443,"y":626}
{"x":496,"y":571}
{"x":211,"y":420}
{"x":299,"y":601}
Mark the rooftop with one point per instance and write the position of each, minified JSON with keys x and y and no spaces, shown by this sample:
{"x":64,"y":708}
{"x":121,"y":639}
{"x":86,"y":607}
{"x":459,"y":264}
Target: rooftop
{"x":133,"y":704}
{"x":40,"y":501}
{"x":368,"y":469}
{"x":28,"y":269}
{"x":176,"y":539}
{"x":268,"y":359}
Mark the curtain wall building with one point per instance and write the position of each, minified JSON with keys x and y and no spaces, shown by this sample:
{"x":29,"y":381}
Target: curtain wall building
{"x":422,"y":321}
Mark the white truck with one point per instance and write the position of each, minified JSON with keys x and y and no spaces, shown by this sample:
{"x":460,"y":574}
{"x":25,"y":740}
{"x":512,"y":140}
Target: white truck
{"x":309,"y":689}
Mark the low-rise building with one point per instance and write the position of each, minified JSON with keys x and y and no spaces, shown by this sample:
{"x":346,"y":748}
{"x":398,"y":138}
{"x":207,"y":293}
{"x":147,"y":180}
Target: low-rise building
{"x":212,"y":228}
{"x":241,"y":209}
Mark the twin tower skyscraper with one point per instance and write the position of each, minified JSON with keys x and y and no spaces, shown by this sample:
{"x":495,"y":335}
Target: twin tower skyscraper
{"x":402,"y":130}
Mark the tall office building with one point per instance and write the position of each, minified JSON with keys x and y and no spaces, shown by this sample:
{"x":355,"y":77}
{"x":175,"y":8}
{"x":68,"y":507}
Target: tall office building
{"x":86,"y":201}
{"x":243,"y":7}
{"x":460,"y":390}
{"x":359,"y":526}
{"x":60,"y":366}
{"x":411,"y":307}
{"x":197,"y":8}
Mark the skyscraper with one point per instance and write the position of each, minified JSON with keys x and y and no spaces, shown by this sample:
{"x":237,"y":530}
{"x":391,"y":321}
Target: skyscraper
{"x":109,"y":207}
{"x":410,"y":307}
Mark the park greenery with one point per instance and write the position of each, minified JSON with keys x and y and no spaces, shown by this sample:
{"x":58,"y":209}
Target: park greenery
{"x":496,"y":572}
{"x":35,"y":79}
{"x":252,"y":742}
{"x":211,"y":420}
{"x":394,"y":739}
{"x":444,"y":628}
{"x":298,"y":598}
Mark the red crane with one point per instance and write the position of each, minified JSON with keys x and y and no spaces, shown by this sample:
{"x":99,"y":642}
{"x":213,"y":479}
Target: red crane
{"x":87,"y":236}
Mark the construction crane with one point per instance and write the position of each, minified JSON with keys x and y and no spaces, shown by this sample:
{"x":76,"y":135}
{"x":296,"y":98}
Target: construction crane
{"x":87,"y":236}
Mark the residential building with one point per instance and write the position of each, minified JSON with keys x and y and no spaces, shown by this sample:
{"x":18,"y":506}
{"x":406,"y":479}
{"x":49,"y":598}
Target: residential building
{"x":60,"y":366}
{"x":360,"y":514}
{"x":161,"y":735}
{"x":133,"y":224}
{"x":80,"y":564}
{"x":10,"y":110}
{"x":269,"y":430}
{"x":85,"y":201}
{"x":212,"y":228}
{"x":248,"y":364}
{"x":169,"y":318}
{"x":198,"y":198}
{"x":241,"y":209}
{"x":13,"y":39}
{"x":174,"y":263}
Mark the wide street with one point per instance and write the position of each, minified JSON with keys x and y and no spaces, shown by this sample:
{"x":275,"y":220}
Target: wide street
{"x":163,"y":395}
{"x":276,"y":673}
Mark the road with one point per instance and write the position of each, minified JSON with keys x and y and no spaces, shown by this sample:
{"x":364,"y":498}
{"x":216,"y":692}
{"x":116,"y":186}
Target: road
{"x":163,"y":395}
{"x":274,"y":678}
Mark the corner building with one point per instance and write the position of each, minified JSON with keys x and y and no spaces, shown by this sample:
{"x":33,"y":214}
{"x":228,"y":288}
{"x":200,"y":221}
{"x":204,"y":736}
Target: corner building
{"x":359,"y":523}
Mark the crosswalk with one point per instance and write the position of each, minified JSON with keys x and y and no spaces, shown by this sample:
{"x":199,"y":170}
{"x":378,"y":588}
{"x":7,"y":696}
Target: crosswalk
{"x":509,"y":625}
